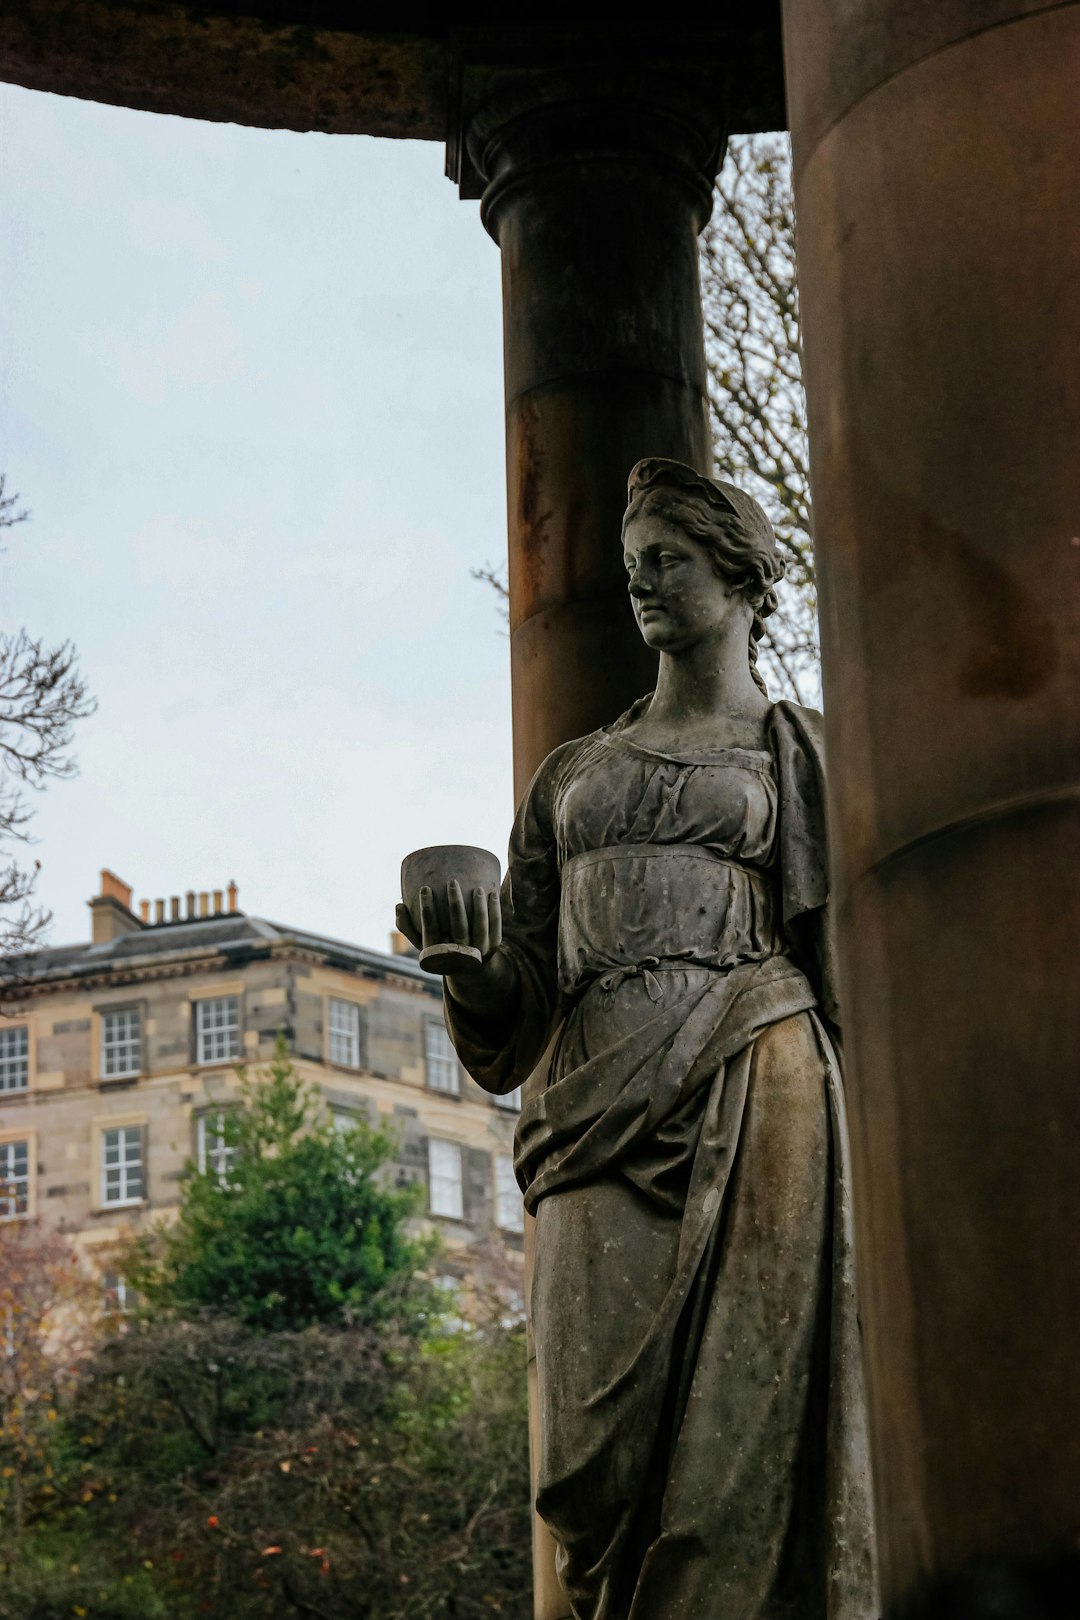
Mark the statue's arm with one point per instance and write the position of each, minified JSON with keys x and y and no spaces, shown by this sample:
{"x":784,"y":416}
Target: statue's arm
{"x":492,"y":990}
{"x":501,"y":1015}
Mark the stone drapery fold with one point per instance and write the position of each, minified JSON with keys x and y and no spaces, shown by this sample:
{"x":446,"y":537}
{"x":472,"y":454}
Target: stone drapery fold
{"x":702,"y":1433}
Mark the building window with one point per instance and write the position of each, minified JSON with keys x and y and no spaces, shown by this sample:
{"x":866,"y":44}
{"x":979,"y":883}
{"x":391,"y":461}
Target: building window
{"x":14,"y":1180}
{"x":344,"y":1033}
{"x":449,"y":1287}
{"x":444,"y":1179}
{"x":14,"y":1058}
{"x":217,"y":1029}
{"x":121,"y":1043}
{"x":347,"y":1119}
{"x":509,"y":1211}
{"x":214,"y":1153}
{"x":118,"y":1296}
{"x":440,"y":1059}
{"x":122,"y":1165}
{"x":510,"y":1100}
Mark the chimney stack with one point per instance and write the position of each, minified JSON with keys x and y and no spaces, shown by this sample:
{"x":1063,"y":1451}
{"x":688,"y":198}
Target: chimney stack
{"x":114,"y":888}
{"x":115,"y":899}
{"x":111,"y":911}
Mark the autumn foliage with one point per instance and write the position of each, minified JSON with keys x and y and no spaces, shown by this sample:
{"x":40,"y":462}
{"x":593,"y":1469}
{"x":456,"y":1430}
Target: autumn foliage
{"x":338,"y":1454}
{"x":48,"y":1327}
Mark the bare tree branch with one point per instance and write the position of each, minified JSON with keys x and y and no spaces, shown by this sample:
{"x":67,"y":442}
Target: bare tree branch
{"x":42,"y":696}
{"x":10,"y":510}
{"x":750,"y":292}
{"x":490,"y":575}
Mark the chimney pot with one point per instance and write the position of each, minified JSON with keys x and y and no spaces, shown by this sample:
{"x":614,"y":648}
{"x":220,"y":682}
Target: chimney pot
{"x":204,"y":903}
{"x":159,"y":911}
{"x":174,"y":908}
{"x":190,"y":898}
{"x":219,"y":900}
{"x":144,"y":910}
{"x":233,"y":896}
{"x":114,"y":888}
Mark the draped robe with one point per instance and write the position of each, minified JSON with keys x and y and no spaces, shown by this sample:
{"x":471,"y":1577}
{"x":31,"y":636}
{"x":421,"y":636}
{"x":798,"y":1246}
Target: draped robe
{"x":702,"y":1425}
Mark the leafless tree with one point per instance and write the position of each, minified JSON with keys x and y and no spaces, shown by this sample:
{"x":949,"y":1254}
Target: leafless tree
{"x":42,"y":695}
{"x":750,"y":292}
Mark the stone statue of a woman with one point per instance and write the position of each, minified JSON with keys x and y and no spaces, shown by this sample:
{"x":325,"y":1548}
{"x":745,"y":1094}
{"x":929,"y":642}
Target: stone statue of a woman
{"x":702,"y":1438}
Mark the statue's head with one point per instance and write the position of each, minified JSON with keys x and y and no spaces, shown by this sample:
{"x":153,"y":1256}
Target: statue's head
{"x":724,"y":526}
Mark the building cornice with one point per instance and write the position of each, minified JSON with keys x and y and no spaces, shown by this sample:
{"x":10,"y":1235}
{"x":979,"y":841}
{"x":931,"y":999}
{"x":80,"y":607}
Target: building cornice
{"x":211,"y":959}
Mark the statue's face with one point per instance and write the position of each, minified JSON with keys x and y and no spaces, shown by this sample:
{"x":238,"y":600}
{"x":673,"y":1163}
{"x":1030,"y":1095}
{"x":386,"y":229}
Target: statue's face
{"x":677,"y":595}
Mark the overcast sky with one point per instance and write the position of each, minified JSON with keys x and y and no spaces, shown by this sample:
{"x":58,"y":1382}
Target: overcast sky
{"x":251,"y":389}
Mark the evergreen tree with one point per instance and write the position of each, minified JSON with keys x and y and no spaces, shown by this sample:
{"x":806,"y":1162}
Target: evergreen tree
{"x":295,"y":1225}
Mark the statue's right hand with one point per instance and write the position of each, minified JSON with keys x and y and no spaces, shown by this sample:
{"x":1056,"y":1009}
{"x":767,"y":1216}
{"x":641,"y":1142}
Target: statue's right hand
{"x":477,"y":923}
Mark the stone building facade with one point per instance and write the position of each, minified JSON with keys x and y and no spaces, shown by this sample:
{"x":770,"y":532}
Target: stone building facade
{"x":118,"y":1056}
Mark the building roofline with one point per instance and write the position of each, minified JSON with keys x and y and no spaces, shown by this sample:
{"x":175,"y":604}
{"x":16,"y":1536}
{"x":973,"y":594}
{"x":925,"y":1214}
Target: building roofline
{"x":385,"y":961}
{"x":56,"y":964}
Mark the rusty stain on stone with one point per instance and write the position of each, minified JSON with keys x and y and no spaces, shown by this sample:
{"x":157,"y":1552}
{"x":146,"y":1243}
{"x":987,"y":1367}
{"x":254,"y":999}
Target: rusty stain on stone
{"x":1009,"y":647}
{"x":1012,"y":650}
{"x":533,"y":517}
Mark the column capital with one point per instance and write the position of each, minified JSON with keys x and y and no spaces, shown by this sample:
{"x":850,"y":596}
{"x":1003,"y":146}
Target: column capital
{"x":512,"y":126}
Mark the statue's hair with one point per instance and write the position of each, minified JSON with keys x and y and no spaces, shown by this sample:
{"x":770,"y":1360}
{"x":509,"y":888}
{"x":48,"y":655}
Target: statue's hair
{"x":729,"y":523}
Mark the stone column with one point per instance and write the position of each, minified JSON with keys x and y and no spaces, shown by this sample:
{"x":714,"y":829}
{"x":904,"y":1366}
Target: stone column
{"x":595,"y":189}
{"x":937,"y":152}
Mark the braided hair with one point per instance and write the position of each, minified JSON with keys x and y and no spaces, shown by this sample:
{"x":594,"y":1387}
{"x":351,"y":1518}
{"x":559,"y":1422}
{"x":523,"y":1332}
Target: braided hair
{"x":729,"y":523}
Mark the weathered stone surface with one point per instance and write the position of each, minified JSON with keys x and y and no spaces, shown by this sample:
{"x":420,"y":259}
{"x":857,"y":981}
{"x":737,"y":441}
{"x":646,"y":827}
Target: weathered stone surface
{"x":596,"y":188}
{"x":327,"y":65}
{"x":230,"y":65}
{"x":938,"y":193}
{"x":699,"y":1415}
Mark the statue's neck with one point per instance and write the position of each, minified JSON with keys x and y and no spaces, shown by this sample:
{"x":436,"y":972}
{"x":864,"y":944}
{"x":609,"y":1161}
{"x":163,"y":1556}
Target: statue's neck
{"x":710,"y":679}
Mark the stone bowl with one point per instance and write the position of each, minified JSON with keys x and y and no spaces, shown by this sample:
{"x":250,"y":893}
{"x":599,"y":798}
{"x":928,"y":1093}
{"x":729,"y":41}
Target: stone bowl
{"x":433,"y":868}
